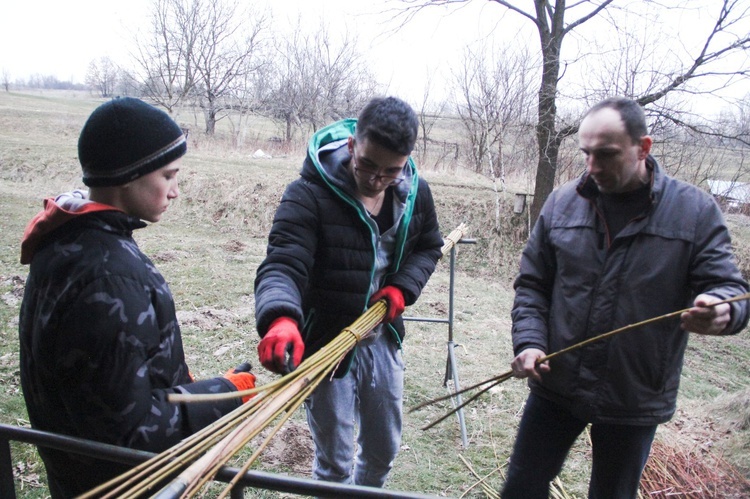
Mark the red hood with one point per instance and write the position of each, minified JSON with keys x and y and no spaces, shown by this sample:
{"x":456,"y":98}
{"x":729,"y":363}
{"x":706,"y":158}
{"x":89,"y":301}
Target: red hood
{"x":57,"y":211}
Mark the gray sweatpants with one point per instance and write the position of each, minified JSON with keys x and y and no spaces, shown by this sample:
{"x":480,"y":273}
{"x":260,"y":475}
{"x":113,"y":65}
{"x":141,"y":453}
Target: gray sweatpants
{"x":370,"y":397}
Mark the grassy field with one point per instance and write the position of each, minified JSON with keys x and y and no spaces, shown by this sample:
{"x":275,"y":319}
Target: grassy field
{"x":211,"y":241}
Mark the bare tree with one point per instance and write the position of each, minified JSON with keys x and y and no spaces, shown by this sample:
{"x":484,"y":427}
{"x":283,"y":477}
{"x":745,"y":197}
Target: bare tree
{"x":493,"y":96}
{"x":225,"y":51}
{"x":429,"y":112}
{"x":317,"y":79}
{"x":549,"y":19}
{"x":246,"y":98}
{"x":627,"y":68}
{"x":346,"y":82}
{"x":102,"y":75}
{"x":738,"y":122}
{"x":6,"y":79}
{"x":492,"y":100}
{"x":202,"y":50}
{"x":128,"y":84}
{"x":163,"y":55}
{"x":291,"y":87}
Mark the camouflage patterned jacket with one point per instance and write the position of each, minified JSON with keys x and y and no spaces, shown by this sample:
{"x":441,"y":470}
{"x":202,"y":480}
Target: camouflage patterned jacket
{"x":100,"y":344}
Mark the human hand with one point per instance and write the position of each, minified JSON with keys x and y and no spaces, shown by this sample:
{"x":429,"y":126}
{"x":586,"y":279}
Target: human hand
{"x":283,"y":337}
{"x":706,"y":320}
{"x":525,"y":364}
{"x":242,"y":379}
{"x":394,"y":298}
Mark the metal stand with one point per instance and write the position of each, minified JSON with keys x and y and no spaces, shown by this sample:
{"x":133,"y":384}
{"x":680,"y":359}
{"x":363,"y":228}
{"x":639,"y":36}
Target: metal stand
{"x":451,"y":367}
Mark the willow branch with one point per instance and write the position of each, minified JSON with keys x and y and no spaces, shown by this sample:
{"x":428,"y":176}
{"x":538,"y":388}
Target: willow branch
{"x":492,"y":382}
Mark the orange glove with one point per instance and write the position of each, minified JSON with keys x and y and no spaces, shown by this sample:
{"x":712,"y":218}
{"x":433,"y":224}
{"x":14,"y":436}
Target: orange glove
{"x":394,"y":299}
{"x":242,"y":379}
{"x":283,"y":338}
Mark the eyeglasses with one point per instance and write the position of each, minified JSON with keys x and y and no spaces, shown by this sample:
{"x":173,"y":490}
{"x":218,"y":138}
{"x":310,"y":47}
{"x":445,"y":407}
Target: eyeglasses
{"x":369,"y":176}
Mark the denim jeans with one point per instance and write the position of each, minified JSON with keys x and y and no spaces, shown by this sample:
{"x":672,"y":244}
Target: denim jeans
{"x":370,"y":396}
{"x":546,"y":434}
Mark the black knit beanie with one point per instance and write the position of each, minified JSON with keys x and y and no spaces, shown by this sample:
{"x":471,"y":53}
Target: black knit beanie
{"x":126,"y":138}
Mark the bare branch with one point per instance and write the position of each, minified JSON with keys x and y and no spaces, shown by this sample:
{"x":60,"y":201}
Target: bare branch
{"x":706,"y":55}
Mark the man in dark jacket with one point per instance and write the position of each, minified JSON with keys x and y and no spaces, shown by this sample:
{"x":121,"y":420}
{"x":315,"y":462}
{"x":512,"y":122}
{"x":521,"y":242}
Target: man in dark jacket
{"x":623,"y":244}
{"x":100,"y":344}
{"x":357,"y":227}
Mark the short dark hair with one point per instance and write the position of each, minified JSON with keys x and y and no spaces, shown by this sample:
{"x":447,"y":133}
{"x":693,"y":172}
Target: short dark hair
{"x":389,"y":122}
{"x":631,"y":113}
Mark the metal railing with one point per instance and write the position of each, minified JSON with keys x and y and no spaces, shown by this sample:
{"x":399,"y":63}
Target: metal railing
{"x":250,"y":479}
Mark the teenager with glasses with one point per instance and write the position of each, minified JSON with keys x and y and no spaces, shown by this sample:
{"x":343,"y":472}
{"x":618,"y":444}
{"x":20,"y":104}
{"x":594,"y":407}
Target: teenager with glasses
{"x":359,"y":225}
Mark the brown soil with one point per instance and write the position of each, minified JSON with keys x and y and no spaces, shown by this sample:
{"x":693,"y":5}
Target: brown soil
{"x":291,"y":449}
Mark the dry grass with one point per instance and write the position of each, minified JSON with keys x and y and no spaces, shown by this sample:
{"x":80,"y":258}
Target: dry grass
{"x":690,"y":473}
{"x":211,"y":241}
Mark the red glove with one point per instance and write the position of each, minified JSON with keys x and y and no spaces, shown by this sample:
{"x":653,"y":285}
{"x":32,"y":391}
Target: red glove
{"x":283,"y":338}
{"x":242,"y":379}
{"x":394,"y":299}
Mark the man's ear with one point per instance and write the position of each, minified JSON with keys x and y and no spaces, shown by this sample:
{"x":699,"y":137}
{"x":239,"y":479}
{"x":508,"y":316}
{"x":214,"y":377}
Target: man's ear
{"x":645,"y":146}
{"x":350,"y":144}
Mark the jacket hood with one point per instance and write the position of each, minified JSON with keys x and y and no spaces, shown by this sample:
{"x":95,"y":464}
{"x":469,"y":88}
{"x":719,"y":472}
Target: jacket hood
{"x":325,"y":157}
{"x":57,"y":211}
{"x":326,"y":167}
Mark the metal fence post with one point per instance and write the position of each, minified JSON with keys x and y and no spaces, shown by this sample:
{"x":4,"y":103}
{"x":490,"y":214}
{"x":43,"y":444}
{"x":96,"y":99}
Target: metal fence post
{"x":451,"y":367}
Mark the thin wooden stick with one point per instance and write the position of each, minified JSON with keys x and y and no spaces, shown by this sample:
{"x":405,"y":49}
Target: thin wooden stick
{"x":491,"y":492}
{"x":509,"y":374}
{"x":451,"y":395}
{"x":745,"y":296}
{"x":166,"y":461}
{"x":237,"y":439}
{"x":286,"y":417}
{"x":471,"y":399}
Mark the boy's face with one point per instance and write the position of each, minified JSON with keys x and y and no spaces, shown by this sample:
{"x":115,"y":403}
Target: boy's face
{"x":375,"y":167}
{"x":148,"y":197}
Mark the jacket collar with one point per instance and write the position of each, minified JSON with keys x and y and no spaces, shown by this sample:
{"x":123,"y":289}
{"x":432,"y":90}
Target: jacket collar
{"x":587,"y":187}
{"x":68,"y":209}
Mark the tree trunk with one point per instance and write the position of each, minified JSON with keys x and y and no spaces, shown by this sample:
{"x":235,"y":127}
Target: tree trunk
{"x":210,"y":120}
{"x":546,"y":133}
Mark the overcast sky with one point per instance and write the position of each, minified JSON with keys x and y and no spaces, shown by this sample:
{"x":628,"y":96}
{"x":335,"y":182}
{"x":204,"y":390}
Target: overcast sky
{"x":61,"y":37}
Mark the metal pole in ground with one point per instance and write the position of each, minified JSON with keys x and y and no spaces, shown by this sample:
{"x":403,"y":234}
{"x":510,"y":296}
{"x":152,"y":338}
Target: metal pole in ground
{"x":451,"y":367}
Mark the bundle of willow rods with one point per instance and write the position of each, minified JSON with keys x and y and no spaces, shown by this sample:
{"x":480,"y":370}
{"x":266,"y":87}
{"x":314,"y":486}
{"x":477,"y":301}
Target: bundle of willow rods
{"x":201,"y":455}
{"x":488,"y":384}
{"x":452,"y":239}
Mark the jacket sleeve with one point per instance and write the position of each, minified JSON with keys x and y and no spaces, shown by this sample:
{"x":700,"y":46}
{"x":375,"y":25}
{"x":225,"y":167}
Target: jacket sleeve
{"x":284,"y":274}
{"x":115,"y":366}
{"x":714,"y":267}
{"x":533,"y":287}
{"x":419,"y":264}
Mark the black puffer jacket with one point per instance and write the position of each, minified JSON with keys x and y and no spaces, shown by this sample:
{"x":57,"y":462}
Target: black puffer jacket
{"x":576,"y":282}
{"x":100,"y":345}
{"x":321,"y":249}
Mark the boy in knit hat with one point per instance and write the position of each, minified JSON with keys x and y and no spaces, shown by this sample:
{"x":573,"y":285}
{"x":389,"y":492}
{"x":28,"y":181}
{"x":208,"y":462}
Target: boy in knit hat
{"x":100,"y":344}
